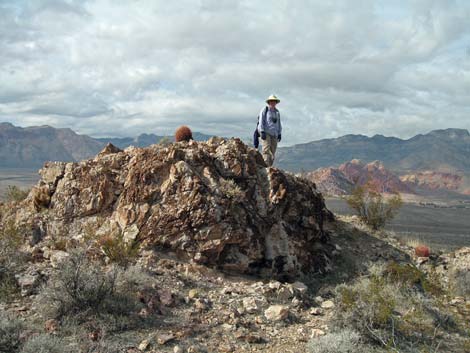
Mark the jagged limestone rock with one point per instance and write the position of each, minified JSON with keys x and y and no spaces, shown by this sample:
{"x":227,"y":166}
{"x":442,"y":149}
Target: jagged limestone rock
{"x":213,"y":203}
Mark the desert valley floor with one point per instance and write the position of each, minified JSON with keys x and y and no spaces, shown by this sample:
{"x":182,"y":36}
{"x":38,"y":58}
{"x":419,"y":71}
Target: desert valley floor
{"x":443,"y":228}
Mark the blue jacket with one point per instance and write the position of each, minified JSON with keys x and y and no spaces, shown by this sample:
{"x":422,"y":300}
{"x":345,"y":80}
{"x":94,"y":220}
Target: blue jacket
{"x":270,"y":122}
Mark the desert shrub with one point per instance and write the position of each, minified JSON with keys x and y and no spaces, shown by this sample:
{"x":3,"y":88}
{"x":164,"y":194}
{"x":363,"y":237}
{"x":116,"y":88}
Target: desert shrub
{"x":133,"y":279}
{"x":230,"y":189}
{"x":10,"y":334}
{"x":341,"y":341}
{"x":11,"y":259}
{"x":410,"y":276}
{"x":8,"y":286}
{"x":45,"y":344}
{"x":117,"y":249}
{"x":81,"y":288}
{"x":15,"y":194}
{"x":371,"y":206}
{"x":111,"y":244}
{"x":391,"y":307}
{"x":11,"y":239}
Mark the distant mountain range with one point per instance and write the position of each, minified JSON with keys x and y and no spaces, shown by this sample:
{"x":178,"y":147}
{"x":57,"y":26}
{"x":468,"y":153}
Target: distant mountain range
{"x":30,"y":147}
{"x":440,"y":150}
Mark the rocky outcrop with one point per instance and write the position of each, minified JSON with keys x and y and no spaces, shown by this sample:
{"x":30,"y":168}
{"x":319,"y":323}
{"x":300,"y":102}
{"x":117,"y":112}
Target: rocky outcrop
{"x":432,"y":180}
{"x":375,"y":174}
{"x":330,"y":181}
{"x":213,"y":203}
{"x":342,"y":180}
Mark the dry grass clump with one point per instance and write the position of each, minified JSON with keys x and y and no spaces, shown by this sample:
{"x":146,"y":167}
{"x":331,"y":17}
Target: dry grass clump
{"x":415,"y":241}
{"x":341,"y":341}
{"x":395,"y":307}
{"x":45,"y":343}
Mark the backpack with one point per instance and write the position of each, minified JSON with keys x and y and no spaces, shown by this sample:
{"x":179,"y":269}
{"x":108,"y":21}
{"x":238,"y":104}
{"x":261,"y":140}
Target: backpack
{"x":256,"y":133}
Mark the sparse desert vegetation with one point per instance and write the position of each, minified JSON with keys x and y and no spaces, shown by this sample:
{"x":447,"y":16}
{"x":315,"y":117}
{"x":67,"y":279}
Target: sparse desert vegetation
{"x":15,"y":194}
{"x":10,"y":333}
{"x":340,"y":341}
{"x":45,"y":343}
{"x":87,"y":305}
{"x":372,"y":207}
{"x":82,"y":288}
{"x":173,"y":261}
{"x":396,"y":307}
{"x":12,"y":259}
{"x":441,"y":229}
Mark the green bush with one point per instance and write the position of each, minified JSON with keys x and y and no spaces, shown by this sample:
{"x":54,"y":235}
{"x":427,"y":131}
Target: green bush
{"x":392,"y":308}
{"x":15,"y":194}
{"x":82,"y":288}
{"x":411,"y":276}
{"x":45,"y":344}
{"x":10,"y":334}
{"x":371,"y":206}
{"x":341,"y":341}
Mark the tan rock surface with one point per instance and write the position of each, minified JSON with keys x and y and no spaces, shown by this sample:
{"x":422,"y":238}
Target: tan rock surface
{"x":214,"y":203}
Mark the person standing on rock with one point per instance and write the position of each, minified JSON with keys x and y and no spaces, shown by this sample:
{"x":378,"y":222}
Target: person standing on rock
{"x":270,"y":129}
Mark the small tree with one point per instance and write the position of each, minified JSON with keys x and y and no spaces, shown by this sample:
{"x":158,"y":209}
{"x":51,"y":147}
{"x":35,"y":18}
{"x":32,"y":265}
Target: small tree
{"x":371,"y":206}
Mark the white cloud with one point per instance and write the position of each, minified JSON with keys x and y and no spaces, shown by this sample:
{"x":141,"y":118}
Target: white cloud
{"x":104,"y":67}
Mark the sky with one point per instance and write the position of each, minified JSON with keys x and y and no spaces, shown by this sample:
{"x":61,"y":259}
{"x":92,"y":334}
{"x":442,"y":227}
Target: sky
{"x":121,"y":68}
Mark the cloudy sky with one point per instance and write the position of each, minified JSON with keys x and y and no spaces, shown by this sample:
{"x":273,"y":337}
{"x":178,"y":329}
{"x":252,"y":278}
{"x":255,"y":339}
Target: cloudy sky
{"x":121,"y":68}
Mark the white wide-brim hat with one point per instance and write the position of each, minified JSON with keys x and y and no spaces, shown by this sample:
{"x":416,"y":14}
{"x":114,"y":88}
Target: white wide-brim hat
{"x":273,"y":97}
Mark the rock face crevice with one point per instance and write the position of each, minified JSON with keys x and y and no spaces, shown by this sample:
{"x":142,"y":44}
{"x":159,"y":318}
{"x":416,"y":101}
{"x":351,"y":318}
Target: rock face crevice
{"x":214,"y":203}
